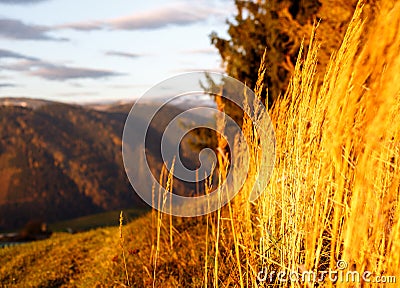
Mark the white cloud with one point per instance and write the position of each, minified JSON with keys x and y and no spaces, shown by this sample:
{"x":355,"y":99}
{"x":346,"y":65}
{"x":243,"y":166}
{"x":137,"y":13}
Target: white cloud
{"x":122,"y":54}
{"x":10,"y":54}
{"x":46,"y":70}
{"x":60,"y":72}
{"x":22,"y":2}
{"x":16,"y":29}
{"x":7,"y":85}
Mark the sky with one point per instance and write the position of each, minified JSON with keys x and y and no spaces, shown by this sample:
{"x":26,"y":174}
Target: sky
{"x":104,"y":50}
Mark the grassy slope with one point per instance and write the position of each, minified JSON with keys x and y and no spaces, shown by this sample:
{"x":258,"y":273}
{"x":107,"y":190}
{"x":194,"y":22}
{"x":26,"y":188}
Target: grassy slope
{"x":89,"y":222}
{"x":94,"y":258}
{"x":60,"y":260}
{"x":85,"y":259}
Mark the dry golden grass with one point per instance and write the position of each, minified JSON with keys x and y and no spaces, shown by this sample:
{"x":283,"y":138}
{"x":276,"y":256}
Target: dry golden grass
{"x":335,"y":189}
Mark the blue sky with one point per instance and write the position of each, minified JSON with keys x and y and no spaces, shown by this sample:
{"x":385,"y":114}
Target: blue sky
{"x":104,"y":50}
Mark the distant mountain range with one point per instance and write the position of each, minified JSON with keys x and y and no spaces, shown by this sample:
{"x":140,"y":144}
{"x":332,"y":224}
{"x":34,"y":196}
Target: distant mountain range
{"x":60,"y":161}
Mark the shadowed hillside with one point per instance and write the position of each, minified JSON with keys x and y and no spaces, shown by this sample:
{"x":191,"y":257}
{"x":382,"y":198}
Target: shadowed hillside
{"x":60,"y":161}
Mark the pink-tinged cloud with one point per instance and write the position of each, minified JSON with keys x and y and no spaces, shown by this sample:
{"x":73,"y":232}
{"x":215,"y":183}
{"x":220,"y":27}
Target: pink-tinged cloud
{"x":204,"y":51}
{"x":178,"y":15}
